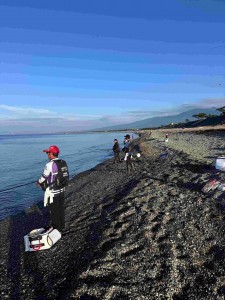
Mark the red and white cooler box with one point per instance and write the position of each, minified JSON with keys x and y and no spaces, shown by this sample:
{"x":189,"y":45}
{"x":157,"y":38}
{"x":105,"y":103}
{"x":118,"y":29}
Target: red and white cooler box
{"x":41,"y":239}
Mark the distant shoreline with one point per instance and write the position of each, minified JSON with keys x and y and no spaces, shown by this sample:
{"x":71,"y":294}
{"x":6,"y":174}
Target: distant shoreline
{"x":65,"y":132}
{"x":135,"y":131}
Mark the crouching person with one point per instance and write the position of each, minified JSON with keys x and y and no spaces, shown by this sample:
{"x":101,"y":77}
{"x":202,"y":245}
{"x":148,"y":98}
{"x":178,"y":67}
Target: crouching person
{"x":53,"y":181}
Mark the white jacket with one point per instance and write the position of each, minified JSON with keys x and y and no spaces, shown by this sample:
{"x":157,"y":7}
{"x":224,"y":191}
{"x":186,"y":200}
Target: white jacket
{"x":49,"y":173}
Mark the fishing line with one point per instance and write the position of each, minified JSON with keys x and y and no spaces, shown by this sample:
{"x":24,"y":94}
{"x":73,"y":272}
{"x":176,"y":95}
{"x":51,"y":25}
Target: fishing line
{"x":17,"y":186}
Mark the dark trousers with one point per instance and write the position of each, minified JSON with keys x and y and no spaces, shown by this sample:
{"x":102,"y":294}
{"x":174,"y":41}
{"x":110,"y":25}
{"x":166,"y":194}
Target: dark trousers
{"x":116,"y":156}
{"x":57,"y":212}
{"x":129,"y":164}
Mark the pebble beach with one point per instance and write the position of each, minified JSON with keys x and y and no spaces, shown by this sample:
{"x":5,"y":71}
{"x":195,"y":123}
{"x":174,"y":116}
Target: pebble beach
{"x":153,"y":234}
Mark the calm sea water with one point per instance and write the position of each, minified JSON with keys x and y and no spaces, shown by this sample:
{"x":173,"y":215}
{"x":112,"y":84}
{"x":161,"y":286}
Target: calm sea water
{"x":22,"y":161}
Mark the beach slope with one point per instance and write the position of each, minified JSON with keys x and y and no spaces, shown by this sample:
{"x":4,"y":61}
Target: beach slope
{"x":151,"y":235}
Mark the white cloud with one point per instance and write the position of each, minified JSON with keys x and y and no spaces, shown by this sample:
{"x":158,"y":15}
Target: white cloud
{"x":82,"y":117}
{"x":29,"y":119}
{"x":24,"y":119}
{"x":26,"y":110}
{"x":17,"y":112}
{"x":207,"y":103}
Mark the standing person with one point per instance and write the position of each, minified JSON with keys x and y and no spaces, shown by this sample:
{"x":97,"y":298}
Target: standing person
{"x":167,"y":138}
{"x":53,"y":181}
{"x":116,"y":150}
{"x":129,"y":150}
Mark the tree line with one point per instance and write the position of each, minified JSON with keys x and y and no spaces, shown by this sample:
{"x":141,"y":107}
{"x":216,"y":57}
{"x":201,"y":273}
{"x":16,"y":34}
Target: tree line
{"x":204,"y":116}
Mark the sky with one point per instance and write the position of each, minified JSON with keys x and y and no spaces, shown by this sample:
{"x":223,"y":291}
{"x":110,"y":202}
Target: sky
{"x":79,"y":65}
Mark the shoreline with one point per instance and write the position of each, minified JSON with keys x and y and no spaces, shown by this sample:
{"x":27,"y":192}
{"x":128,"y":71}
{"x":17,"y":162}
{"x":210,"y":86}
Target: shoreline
{"x":20,"y":193}
{"x":40,"y":202}
{"x":151,"y":235}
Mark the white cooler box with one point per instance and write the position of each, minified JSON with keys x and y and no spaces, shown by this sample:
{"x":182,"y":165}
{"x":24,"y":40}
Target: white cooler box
{"x":220,"y":163}
{"x":41,"y":239}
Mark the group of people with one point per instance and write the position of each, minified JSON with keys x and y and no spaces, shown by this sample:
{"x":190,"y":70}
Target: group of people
{"x":128,"y":149}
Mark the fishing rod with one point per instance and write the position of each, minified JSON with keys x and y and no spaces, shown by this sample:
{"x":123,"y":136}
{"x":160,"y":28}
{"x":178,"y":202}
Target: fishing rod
{"x":17,"y":186}
{"x":102,"y":150}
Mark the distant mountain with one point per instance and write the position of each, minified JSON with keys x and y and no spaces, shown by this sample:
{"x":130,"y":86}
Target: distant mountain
{"x":213,"y":121}
{"x":165,"y":120}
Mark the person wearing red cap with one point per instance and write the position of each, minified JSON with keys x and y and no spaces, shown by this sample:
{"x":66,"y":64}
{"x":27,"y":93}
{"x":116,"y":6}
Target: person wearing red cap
{"x":54,"y":197}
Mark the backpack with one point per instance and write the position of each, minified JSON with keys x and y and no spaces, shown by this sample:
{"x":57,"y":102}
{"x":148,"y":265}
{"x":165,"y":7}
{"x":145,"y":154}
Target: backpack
{"x":127,"y":149}
{"x":62,"y":177}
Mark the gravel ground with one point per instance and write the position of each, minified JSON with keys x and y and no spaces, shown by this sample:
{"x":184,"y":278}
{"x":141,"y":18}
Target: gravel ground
{"x":151,"y":235}
{"x":204,"y":147}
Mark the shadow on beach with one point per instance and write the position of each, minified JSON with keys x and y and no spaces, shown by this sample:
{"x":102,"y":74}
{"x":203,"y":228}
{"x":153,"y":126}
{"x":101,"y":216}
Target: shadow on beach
{"x":19,"y":226}
{"x":79,"y":260}
{"x":36,"y":271}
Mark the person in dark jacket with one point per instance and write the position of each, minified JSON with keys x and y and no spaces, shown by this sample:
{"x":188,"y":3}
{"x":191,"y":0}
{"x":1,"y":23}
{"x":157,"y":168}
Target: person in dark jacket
{"x":116,"y":150}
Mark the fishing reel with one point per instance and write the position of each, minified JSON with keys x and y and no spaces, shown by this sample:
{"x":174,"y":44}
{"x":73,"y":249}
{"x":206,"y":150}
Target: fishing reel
{"x":44,"y":185}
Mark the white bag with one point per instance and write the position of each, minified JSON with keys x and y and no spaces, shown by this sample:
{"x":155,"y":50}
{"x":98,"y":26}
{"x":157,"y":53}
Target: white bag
{"x":220,"y":163}
{"x":40,"y":239}
{"x":221,"y":187}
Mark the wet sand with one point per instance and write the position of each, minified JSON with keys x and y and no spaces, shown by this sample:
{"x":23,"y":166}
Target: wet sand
{"x":151,"y":235}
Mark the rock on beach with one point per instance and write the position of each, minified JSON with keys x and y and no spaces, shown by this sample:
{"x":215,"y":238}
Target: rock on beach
{"x":152,"y":234}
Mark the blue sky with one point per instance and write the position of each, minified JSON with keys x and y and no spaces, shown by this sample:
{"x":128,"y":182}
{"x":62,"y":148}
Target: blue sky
{"x":74,"y":65}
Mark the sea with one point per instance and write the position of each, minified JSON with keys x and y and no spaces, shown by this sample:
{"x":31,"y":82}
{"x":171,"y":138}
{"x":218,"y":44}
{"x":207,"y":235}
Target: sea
{"x":22,"y":162}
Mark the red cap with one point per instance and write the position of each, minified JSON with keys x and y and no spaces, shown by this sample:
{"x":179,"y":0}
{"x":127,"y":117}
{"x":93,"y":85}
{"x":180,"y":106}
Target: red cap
{"x":53,"y":149}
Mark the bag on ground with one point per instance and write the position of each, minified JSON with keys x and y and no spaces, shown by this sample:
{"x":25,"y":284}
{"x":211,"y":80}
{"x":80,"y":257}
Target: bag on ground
{"x":41,"y":239}
{"x":220,"y":163}
{"x":211,"y":185}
